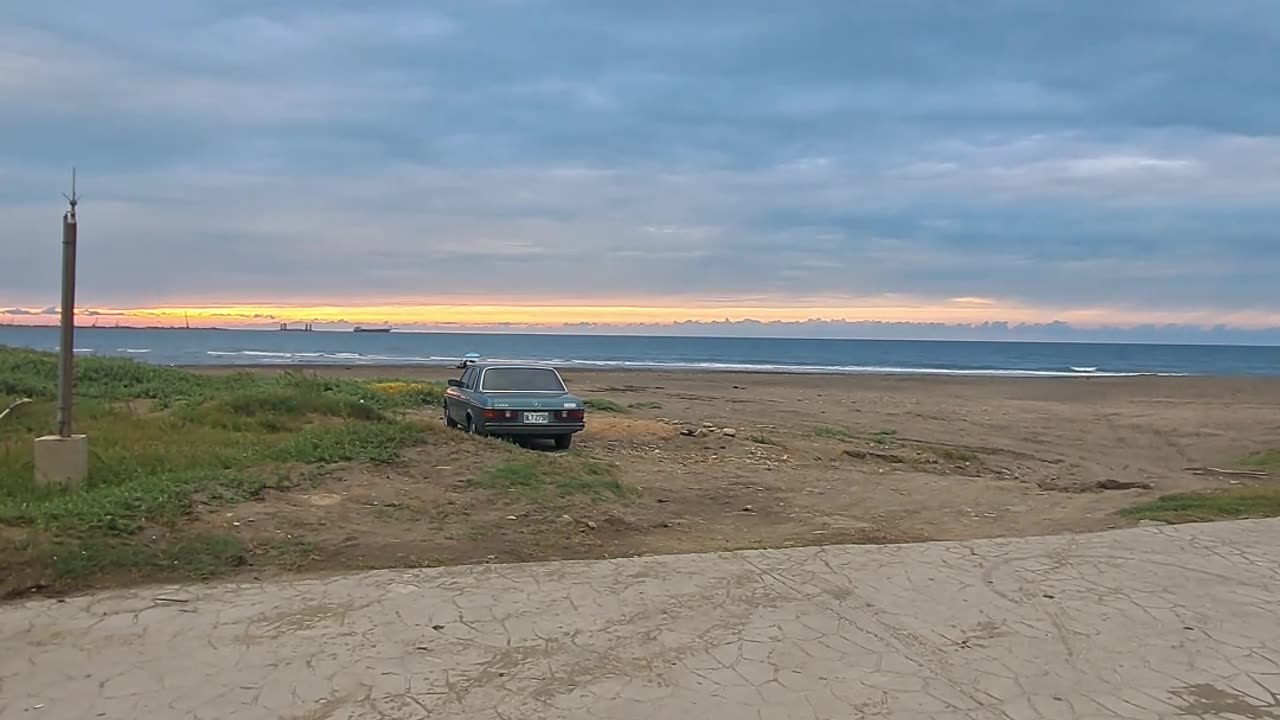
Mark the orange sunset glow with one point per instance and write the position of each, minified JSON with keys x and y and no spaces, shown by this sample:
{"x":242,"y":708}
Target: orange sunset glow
{"x":557,"y":314}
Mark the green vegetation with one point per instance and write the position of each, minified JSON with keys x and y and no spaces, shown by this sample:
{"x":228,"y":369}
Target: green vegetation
{"x":950,"y":454}
{"x":885,"y":437}
{"x":646,"y":405}
{"x":289,"y":553}
{"x":1268,"y":461}
{"x":833,"y":433}
{"x":1236,"y":502}
{"x":198,"y":555}
{"x":603,"y":405}
{"x":543,"y":477}
{"x":165,"y":441}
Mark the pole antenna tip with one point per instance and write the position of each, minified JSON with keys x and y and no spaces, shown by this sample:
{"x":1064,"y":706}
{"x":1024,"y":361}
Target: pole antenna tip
{"x":73,"y":198}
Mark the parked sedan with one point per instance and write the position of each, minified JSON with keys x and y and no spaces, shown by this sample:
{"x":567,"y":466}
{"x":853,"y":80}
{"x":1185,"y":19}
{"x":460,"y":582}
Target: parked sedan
{"x":527,"y":401}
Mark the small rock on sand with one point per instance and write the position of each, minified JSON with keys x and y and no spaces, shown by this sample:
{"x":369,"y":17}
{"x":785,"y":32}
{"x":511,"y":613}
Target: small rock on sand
{"x":729,"y":432}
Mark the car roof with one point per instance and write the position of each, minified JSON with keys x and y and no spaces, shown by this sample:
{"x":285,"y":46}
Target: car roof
{"x":526,"y":366}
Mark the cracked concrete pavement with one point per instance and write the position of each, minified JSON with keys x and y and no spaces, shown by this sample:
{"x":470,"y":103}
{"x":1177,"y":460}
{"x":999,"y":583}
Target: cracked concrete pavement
{"x":1150,"y":623}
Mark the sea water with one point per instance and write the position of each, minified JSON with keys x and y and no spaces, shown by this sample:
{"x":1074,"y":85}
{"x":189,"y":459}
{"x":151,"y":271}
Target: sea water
{"x":1026,"y":359}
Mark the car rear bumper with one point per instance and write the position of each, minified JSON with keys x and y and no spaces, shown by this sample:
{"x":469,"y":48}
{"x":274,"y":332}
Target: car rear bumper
{"x":533,"y":430}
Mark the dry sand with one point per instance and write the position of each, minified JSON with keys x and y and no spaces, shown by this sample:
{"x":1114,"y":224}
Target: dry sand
{"x":815,"y":459}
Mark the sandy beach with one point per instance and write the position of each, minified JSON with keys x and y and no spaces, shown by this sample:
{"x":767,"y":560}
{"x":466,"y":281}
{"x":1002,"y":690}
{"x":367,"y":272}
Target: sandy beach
{"x":294,"y":469}
{"x":820,"y":459}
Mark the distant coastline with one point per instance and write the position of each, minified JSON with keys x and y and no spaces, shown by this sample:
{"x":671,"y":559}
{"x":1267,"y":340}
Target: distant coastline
{"x":81,"y":326}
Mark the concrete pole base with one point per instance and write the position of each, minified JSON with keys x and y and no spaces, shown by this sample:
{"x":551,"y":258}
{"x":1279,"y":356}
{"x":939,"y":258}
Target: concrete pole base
{"x":61,"y":461}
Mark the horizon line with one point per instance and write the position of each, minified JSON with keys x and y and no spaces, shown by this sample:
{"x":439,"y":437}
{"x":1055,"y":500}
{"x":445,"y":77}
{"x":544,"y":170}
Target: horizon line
{"x":621,"y":332}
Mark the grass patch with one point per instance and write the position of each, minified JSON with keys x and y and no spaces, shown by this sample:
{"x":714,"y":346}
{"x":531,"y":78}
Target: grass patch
{"x":198,"y":555}
{"x":1268,"y":461}
{"x":763,"y":440}
{"x":544,"y":477}
{"x":378,"y":442}
{"x":33,"y":374}
{"x":646,"y":405}
{"x":124,"y":508}
{"x":950,"y":454}
{"x":396,"y":512}
{"x":290,"y":553}
{"x":1232,"y":503}
{"x":407,"y":394}
{"x":832,"y":433}
{"x":164,"y":441}
{"x":604,"y":405}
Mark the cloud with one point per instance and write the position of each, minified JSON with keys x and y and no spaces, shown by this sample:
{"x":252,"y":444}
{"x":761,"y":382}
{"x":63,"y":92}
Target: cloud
{"x":1057,"y":331}
{"x":310,"y":152}
{"x":26,"y":312}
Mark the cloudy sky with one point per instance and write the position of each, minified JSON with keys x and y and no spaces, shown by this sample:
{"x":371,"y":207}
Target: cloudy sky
{"x":1099,"y":162}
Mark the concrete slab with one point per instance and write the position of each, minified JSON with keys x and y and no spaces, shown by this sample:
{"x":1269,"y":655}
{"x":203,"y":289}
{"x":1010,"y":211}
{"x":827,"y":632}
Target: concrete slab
{"x":1150,"y":623}
{"x":61,"y":460}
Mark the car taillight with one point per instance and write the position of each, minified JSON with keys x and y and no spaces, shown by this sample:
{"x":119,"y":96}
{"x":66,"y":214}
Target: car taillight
{"x":572,"y":415}
{"x":498,"y":414}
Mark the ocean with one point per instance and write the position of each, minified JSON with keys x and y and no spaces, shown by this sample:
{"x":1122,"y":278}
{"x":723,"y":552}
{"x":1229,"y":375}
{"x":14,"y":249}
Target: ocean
{"x":917,"y":357}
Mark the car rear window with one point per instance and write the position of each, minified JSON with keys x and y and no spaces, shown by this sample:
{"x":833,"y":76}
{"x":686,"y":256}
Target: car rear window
{"x":522,"y":379}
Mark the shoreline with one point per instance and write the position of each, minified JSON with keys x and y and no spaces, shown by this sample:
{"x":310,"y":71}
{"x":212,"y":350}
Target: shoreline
{"x":782,"y":371}
{"x":436,"y":373}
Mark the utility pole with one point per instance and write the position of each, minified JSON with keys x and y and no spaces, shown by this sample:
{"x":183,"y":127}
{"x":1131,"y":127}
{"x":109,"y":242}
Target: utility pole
{"x":63,"y":459}
{"x":66,"y":351}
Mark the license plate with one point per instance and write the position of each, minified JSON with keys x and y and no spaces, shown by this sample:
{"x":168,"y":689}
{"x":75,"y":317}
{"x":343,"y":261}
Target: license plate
{"x":537,"y":417}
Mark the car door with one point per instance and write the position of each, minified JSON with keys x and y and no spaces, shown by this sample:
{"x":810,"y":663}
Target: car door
{"x":449,"y":402}
{"x":456,"y":398}
{"x":468,"y":387}
{"x":470,"y":391}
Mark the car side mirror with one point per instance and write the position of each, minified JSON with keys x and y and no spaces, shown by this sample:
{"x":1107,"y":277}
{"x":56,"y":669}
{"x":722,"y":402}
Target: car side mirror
{"x":455,"y":382}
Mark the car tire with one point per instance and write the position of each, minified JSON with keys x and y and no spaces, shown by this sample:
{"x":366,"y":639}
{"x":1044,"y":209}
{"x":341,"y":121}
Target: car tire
{"x":471,"y":426}
{"x":449,"y":422}
{"x":564,"y":442}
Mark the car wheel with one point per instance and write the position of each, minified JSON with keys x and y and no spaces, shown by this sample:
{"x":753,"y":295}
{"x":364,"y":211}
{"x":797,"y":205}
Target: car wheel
{"x":564,"y":442}
{"x":449,"y":422}
{"x":471,"y":426}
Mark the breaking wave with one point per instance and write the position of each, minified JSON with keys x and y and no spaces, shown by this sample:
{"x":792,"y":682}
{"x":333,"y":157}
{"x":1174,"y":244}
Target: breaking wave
{"x":249,"y":357}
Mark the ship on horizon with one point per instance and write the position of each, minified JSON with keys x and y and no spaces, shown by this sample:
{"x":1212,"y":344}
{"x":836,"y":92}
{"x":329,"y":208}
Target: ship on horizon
{"x":362,"y":329}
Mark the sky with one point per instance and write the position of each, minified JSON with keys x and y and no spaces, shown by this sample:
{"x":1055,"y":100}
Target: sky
{"x":605,"y":164}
